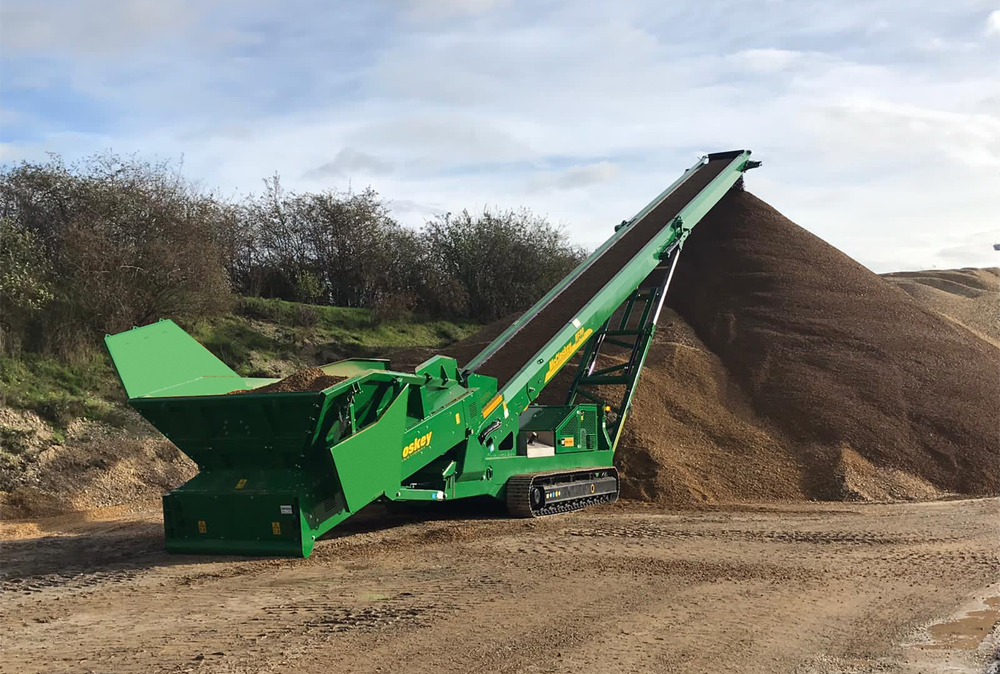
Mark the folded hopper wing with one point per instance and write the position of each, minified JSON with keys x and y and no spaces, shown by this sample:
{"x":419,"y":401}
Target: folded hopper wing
{"x":276,"y":470}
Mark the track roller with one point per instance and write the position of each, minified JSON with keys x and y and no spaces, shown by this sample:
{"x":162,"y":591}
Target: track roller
{"x":557,"y":492}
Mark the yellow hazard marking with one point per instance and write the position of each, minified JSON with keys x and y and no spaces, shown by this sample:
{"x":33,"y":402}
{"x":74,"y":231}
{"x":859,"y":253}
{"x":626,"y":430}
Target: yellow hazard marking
{"x":492,"y":405}
{"x":242,"y":483}
{"x":593,"y":488}
{"x":458,"y":418}
{"x":417,"y":445}
{"x":565,"y":353}
{"x":276,"y":528}
{"x":201,"y":527}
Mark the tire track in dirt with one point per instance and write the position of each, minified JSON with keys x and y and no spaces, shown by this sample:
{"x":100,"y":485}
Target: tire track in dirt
{"x":818,"y":588}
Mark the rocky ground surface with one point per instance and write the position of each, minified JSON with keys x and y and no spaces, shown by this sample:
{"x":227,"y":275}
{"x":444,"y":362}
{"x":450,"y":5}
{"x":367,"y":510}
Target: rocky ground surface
{"x":792,"y":587}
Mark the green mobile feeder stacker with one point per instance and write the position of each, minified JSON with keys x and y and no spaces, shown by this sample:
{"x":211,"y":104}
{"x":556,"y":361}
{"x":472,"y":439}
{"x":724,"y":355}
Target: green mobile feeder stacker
{"x":278,"y":470}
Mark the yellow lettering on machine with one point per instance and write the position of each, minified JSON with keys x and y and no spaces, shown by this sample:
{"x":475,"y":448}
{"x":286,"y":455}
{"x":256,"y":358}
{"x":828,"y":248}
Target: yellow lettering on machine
{"x":417,"y":445}
{"x":565,"y":353}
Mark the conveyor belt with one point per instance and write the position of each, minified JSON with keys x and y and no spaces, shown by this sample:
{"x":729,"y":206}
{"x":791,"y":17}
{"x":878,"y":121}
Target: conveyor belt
{"x":522,"y":346}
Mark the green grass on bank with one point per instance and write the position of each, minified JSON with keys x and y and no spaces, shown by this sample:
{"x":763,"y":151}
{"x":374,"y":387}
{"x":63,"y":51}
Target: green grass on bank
{"x":60,"y":392}
{"x":262,"y":331}
{"x":261,"y":338}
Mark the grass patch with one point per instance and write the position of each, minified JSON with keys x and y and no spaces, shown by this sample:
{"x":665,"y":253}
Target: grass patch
{"x":260,"y":331}
{"x":60,"y":392}
{"x":267,"y":330}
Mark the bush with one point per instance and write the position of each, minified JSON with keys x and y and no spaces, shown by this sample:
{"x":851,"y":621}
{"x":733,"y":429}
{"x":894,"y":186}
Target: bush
{"x":111,"y":242}
{"x":504,"y":260}
{"x":393,"y":309}
{"x":306,"y":316}
{"x":25,"y":282}
{"x":338,"y":248}
{"x":123,"y":243}
{"x":444,"y":295}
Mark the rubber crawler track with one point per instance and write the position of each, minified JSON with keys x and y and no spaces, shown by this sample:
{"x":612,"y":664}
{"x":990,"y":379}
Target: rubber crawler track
{"x":519,"y":492}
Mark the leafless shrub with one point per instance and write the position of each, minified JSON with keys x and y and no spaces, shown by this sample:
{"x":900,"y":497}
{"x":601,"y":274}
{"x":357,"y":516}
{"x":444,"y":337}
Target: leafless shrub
{"x":125,"y":241}
{"x":393,"y":308}
{"x":25,"y":283}
{"x":505,"y":260}
{"x":110,"y":242}
{"x":306,"y":316}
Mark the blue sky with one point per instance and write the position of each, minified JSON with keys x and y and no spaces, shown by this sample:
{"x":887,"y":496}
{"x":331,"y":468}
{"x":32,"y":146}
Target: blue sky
{"x":878,"y":122}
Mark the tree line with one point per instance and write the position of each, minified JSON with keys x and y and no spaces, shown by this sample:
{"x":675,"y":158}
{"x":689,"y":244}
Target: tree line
{"x":100,"y":245}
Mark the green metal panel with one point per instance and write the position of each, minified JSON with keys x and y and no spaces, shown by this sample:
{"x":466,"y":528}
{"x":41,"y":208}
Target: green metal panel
{"x":439,"y":367}
{"x":248,"y":430}
{"x":265,"y":523}
{"x":367,"y":463}
{"x":257,"y":382}
{"x":162,"y":360}
{"x":582,"y":426}
{"x":544,"y":417}
{"x":576,"y":422}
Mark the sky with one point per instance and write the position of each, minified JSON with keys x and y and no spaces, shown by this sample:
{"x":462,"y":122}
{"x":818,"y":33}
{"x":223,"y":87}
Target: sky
{"x":878,"y":122}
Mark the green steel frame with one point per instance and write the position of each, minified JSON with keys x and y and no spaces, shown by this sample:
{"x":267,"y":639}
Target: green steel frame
{"x":644,"y":304}
{"x":278,"y":470}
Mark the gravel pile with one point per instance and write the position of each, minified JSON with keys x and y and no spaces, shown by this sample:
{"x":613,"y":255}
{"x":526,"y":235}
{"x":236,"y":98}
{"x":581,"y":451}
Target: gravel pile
{"x":783,"y":369}
{"x":970,"y":297}
{"x":836,"y":359}
{"x":308,"y":379}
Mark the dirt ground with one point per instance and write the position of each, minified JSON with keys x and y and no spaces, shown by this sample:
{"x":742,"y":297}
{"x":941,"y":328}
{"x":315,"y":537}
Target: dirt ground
{"x":807,"y":587}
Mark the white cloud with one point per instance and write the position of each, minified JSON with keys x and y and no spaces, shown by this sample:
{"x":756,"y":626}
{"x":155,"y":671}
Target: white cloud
{"x":576,"y":177}
{"x":414,"y":211}
{"x":349,"y":163}
{"x":582,"y":111}
{"x":972,"y":250}
{"x":936,"y":44}
{"x":993,"y":23}
{"x":766,"y":60}
{"x":438,"y":9}
{"x":111,"y":27}
{"x":878,"y":26}
{"x":442,"y":135}
{"x":866,"y":128}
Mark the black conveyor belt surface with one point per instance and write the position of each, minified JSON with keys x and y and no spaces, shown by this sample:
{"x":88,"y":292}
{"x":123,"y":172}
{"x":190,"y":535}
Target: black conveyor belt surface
{"x":512,"y":356}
